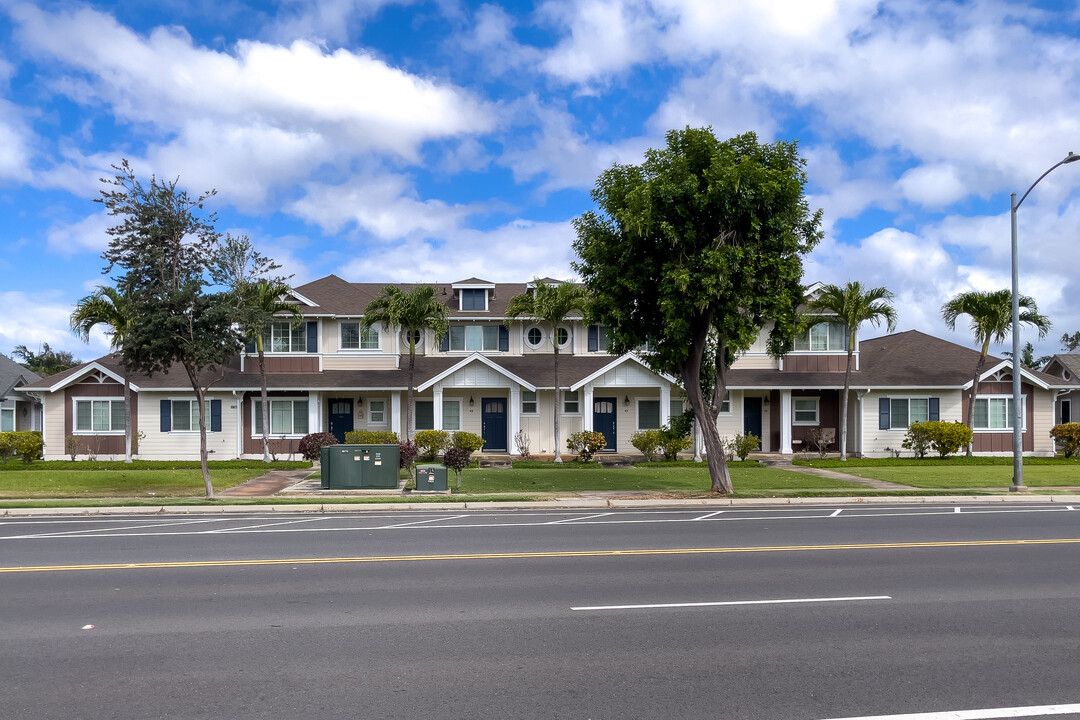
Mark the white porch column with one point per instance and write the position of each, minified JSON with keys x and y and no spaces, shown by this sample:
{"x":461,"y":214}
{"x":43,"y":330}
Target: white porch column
{"x":859,"y":409}
{"x":395,"y":415}
{"x":436,"y":404}
{"x":785,"y":422}
{"x":314,"y":411}
{"x":587,"y":408}
{"x":238,"y":403}
{"x":665,"y":405}
{"x":515,"y":418}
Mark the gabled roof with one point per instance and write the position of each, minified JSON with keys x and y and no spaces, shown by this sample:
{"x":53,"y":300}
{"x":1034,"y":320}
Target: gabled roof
{"x":614,"y":363}
{"x":1064,"y":364}
{"x":108,"y":365}
{"x":474,"y":358}
{"x":13,"y":375}
{"x":473,"y":283}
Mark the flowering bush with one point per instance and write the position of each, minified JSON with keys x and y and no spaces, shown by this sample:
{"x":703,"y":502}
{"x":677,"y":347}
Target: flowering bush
{"x":585,"y":444}
{"x":311,"y":446}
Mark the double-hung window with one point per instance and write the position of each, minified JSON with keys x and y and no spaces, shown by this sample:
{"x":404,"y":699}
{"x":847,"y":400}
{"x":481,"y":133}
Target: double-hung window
{"x":805,"y":410}
{"x":376,"y":412}
{"x":570,"y":402}
{"x":287,"y":417}
{"x":648,"y":414}
{"x":474,"y":337}
{"x":897,"y":413}
{"x":7,"y":419}
{"x":995,"y":413}
{"x":185,"y":415}
{"x":425,"y":414}
{"x":528,"y":402}
{"x":451,"y":415}
{"x":353,"y":337}
{"x":823,"y":337}
{"x":283,"y":337}
{"x":98,"y":416}
{"x":473,"y":299}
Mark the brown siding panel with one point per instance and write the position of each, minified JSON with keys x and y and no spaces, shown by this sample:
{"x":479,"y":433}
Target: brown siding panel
{"x":1002,"y":442}
{"x":815,"y":363}
{"x":828,"y":415}
{"x":100,"y":444}
{"x":282,"y":365}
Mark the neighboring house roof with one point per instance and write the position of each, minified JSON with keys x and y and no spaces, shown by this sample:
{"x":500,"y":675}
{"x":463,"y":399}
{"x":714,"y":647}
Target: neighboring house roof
{"x":906,"y":359}
{"x":1068,"y":362}
{"x":12,"y":375}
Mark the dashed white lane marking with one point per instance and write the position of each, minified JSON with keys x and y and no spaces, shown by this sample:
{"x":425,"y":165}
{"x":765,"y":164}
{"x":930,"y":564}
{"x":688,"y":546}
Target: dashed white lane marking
{"x":837,"y":512}
{"x":785,"y":601}
{"x":956,"y":509}
{"x":989,"y":714}
{"x":710,"y":515}
{"x":106,"y":531}
{"x":245,"y":528}
{"x":565,"y":521}
{"x":412,"y":524}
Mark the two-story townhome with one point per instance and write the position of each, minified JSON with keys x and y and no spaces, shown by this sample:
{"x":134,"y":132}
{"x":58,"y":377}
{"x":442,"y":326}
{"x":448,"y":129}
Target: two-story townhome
{"x":17,"y":410}
{"x":496,"y":378}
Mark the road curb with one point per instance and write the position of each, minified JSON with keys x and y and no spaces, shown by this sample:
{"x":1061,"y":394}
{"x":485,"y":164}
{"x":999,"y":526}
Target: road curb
{"x":558,"y":504}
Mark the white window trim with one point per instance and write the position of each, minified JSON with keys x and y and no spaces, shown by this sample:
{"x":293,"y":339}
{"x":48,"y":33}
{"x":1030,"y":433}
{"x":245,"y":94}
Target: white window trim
{"x":300,"y":327}
{"x":195,"y":424}
{"x":1064,"y":402}
{"x":272,"y":399}
{"x":830,"y":351}
{"x":4,"y":410}
{"x":75,"y":415}
{"x":562,"y":406}
{"x":403,"y":337}
{"x":999,"y":396}
{"x":543,"y":337}
{"x":726,"y":413}
{"x":466,"y":351}
{"x":461,"y":298}
{"x":817,"y":411}
{"x":637,"y":414}
{"x":569,"y":336}
{"x":385,"y":411}
{"x":909,"y":398}
{"x":359,"y":350}
{"x":536,"y":400}
{"x":460,"y":412}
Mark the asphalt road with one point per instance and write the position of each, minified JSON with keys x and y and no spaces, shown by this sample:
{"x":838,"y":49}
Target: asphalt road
{"x":573,"y":614}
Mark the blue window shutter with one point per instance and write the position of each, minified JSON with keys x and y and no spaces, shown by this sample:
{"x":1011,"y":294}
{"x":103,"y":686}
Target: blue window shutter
{"x":166,"y":415}
{"x":594,"y":338}
{"x":312,"y":336}
{"x":444,"y":342}
{"x":504,"y":339}
{"x":883,"y":413}
{"x":935,"y":413}
{"x":250,"y":348}
{"x":215,"y":416}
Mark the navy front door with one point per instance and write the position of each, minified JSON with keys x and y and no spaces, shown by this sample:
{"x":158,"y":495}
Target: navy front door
{"x":751,"y":417}
{"x":341,"y":419}
{"x":603,"y":420}
{"x":493,"y":424}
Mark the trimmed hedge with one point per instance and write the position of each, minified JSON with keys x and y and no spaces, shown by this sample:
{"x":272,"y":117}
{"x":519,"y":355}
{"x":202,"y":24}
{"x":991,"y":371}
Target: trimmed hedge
{"x":1068,"y":434}
{"x":371,"y":437}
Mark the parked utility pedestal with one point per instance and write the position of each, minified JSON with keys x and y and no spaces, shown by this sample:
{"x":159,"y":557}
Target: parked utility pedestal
{"x":431,"y":478}
{"x":359,"y":466}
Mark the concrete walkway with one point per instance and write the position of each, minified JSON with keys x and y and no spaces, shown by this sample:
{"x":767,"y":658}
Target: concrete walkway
{"x":267,"y":485}
{"x":833,"y":475}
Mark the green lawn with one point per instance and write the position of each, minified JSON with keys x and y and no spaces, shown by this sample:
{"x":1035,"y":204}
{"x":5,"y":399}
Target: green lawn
{"x":958,"y":472}
{"x":108,"y":479}
{"x":677,"y":479}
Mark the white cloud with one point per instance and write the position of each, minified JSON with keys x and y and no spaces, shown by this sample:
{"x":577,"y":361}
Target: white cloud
{"x":42,"y":317}
{"x":492,"y":37}
{"x":321,"y":20}
{"x":932,"y":186}
{"x":604,"y":37}
{"x":88,"y":234}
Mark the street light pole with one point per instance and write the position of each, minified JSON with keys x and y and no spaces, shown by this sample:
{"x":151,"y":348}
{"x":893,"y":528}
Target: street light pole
{"x":1018,"y":412}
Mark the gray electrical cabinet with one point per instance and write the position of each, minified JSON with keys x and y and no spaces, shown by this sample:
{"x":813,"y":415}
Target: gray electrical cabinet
{"x":431,"y":477}
{"x":359,"y":466}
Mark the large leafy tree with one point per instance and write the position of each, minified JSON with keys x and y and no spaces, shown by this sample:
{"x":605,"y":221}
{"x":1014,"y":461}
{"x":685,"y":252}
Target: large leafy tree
{"x":551,"y":304}
{"x":1069,"y":343}
{"x":852,"y":306}
{"x":694,"y":251}
{"x":108,"y":307}
{"x":991,"y":322}
{"x":46,"y":361}
{"x":164,"y":249}
{"x":413,"y":312}
{"x":259,"y":304}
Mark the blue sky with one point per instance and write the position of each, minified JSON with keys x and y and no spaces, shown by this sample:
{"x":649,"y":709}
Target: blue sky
{"x":403,"y":140}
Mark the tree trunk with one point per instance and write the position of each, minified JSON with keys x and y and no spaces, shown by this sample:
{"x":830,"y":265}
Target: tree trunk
{"x":974,"y":392}
{"x":409,"y":396}
{"x":558,"y":396}
{"x":844,"y":404}
{"x":265,"y":409}
{"x":705,"y":413}
{"x":127,"y":418}
{"x":200,"y":396}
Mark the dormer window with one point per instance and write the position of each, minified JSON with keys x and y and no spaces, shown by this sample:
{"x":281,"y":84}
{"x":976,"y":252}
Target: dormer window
{"x":823,"y":337}
{"x":472,"y":299}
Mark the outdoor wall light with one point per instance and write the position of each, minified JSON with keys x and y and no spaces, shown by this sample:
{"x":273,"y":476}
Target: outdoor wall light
{"x":470,"y":401}
{"x":626,"y":401}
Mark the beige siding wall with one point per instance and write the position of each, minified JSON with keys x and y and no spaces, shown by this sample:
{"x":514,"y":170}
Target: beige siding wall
{"x":1042,"y":421}
{"x":361,"y":362}
{"x":876,"y":440}
{"x":185,"y":444}
{"x":55,"y":409}
{"x":755,"y":361}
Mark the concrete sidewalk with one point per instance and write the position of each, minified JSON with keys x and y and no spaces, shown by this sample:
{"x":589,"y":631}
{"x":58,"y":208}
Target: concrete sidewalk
{"x":785,"y":464}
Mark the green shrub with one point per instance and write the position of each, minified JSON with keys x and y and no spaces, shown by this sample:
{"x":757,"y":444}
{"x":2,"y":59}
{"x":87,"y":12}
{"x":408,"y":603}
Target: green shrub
{"x":431,"y":442}
{"x":585,"y":444}
{"x":647,"y":443}
{"x":945,"y":438}
{"x":743,"y":445}
{"x":466,"y":441}
{"x":673,"y":442}
{"x":1068,"y":435}
{"x":27,"y":444}
{"x":371,"y":437}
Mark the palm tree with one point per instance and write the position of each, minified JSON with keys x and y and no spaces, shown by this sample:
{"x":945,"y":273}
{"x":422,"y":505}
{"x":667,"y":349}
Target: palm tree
{"x":551,"y":304}
{"x":109,"y":307}
{"x":259,"y":304}
{"x":853,"y":306}
{"x":414,"y":312}
{"x":47,"y":362}
{"x":991,"y":321}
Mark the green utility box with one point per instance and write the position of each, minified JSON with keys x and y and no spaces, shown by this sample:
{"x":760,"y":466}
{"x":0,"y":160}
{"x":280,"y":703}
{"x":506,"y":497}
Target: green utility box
{"x":359,"y":466}
{"x":431,"y":477}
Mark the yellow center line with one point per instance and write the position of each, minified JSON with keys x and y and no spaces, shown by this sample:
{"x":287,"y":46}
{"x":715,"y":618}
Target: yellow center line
{"x":528,"y":555}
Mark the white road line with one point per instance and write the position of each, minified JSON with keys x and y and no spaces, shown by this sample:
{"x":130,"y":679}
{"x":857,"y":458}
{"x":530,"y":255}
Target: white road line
{"x":706,"y":517}
{"x":1031,"y":711}
{"x":583,"y":517}
{"x":105,"y":532}
{"x":226,"y":531}
{"x":412,"y":524}
{"x":956,"y":509}
{"x":837,"y":512}
{"x":787,"y":601}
